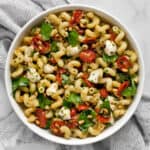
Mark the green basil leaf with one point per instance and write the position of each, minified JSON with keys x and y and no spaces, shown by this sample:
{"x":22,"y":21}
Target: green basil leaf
{"x":73,"y":38}
{"x":123,"y":77}
{"x":131,"y":90}
{"x":48,"y":123}
{"x":106,"y":104}
{"x":74,"y":98}
{"x":54,"y":47}
{"x":67,"y":104}
{"x":85,"y":113}
{"x":84,"y":127}
{"x":65,"y":79}
{"x":87,"y":122}
{"x":46,"y":30}
{"x":43,"y":101}
{"x":19,"y":82}
{"x":109,"y":59}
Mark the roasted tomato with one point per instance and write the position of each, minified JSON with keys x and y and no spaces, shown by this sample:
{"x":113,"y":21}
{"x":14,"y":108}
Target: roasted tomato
{"x":42,"y":46}
{"x":41,"y":116}
{"x":87,"y":82}
{"x":89,"y":40}
{"x":88,"y":56}
{"x":123,"y":62}
{"x":82,"y":107}
{"x":103,"y":119}
{"x":55,"y":127}
{"x":73,"y":123}
{"x":97,"y":110}
{"x":60,"y":71}
{"x":77,"y":15}
{"x":123,"y":86}
{"x":73,"y":112}
{"x":52,"y":60}
{"x":103,"y":93}
{"x":80,"y":31}
{"x":113,"y":35}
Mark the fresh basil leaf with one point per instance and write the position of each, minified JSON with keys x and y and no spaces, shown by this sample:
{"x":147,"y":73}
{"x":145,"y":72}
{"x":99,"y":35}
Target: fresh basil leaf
{"x":46,"y":30}
{"x":43,"y":101}
{"x":106,"y":104}
{"x":74,"y":98}
{"x":123,"y":77}
{"x":85,"y":113}
{"x":84,"y":127}
{"x":65,"y":79}
{"x":48,"y":123}
{"x":87,"y":122}
{"x":109,"y":59}
{"x":67,"y":104}
{"x":73,"y":38}
{"x":54,"y":47}
{"x":19,"y":82}
{"x":131,"y":90}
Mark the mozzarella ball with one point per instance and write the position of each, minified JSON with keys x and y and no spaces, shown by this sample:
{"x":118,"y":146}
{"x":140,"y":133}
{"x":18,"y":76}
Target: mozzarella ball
{"x":110,"y":48}
{"x":48,"y":68}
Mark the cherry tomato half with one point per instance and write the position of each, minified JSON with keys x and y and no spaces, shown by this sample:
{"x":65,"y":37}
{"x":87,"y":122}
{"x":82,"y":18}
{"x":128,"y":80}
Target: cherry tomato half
{"x":89,"y":40}
{"x":42,"y":46}
{"x":73,"y":112}
{"x":55,"y":127}
{"x":41,"y":116}
{"x":103,"y":119}
{"x":58,"y":75}
{"x":123,"y":62}
{"x":97,"y":110}
{"x":103,"y":93}
{"x":123,"y":86}
{"x":73,"y":123}
{"x":77,"y":15}
{"x":88,"y":56}
{"x":113,"y":35}
{"x":82,"y":107}
{"x":52,"y":60}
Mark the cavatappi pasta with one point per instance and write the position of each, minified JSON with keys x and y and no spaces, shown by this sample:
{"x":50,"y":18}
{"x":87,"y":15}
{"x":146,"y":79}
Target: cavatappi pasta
{"x":74,"y":74}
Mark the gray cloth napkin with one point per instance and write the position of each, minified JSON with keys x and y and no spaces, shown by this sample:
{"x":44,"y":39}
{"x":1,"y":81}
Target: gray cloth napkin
{"x":135,"y":135}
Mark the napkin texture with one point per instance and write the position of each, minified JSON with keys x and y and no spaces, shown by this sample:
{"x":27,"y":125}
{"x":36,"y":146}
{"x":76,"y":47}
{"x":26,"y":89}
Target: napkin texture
{"x":135,"y":135}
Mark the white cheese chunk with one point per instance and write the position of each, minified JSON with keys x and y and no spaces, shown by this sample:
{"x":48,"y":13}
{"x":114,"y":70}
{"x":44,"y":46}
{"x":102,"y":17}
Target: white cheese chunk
{"x":27,"y":53}
{"x":110,"y":48}
{"x":64,"y":113}
{"x":33,"y":75}
{"x":71,"y":51}
{"x":52,"y":89}
{"x":48,"y":68}
{"x":95,"y":76}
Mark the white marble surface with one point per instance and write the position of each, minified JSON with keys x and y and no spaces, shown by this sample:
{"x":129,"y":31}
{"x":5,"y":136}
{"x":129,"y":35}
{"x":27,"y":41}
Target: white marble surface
{"x":136,"y":15}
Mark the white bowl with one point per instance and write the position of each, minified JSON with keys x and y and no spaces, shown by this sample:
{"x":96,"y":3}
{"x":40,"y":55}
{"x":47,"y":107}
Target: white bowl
{"x":44,"y":133}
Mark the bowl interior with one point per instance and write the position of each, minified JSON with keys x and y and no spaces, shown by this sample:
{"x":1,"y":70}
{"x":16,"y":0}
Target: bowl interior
{"x":45,"y":134}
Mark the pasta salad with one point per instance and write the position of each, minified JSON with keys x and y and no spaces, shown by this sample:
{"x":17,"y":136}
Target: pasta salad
{"x":74,"y":74}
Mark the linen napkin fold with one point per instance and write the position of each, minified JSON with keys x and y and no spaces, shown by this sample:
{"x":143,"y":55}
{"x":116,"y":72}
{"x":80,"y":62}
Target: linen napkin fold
{"x":135,"y":135}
